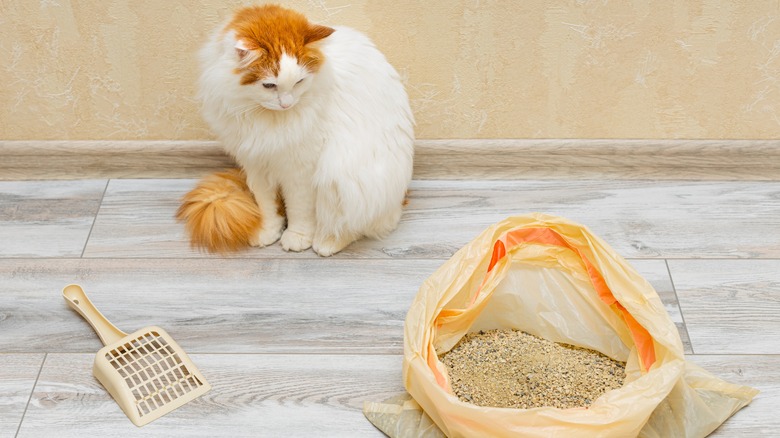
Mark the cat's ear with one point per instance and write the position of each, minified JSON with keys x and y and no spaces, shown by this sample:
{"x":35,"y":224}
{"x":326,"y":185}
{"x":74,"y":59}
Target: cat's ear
{"x":316,"y":33}
{"x":247,"y":53}
{"x":241,"y":49}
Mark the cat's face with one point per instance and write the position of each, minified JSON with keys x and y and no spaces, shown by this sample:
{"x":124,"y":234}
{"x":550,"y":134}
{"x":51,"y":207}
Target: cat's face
{"x":278,"y":88}
{"x":275,"y":55}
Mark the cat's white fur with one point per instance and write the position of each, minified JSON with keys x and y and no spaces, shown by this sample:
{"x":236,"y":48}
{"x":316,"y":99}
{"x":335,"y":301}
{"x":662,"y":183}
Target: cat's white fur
{"x":338,"y":142}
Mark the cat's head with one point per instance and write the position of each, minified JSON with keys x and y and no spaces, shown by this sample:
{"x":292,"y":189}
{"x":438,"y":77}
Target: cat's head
{"x":275,"y":54}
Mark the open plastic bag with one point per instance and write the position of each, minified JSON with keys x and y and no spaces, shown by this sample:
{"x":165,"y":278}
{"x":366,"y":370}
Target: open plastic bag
{"x":554,"y":279}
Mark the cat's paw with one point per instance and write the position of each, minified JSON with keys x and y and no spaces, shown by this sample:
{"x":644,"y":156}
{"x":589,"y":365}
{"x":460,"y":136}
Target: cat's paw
{"x":295,"y":241}
{"x":266,"y":236}
{"x":328,"y":245}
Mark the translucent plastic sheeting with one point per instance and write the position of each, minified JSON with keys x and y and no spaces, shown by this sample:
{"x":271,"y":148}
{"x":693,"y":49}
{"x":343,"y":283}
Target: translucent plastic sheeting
{"x":553,"y":278}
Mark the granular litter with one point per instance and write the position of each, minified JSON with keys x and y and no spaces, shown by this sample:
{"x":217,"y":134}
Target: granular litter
{"x":513,"y":369}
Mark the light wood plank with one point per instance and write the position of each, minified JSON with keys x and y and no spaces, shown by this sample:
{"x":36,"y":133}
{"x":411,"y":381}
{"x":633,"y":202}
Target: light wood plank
{"x":227,"y":305}
{"x":252,"y":395}
{"x":216,"y":305}
{"x":759,"y":419}
{"x":640,"y":219}
{"x":434,"y":159}
{"x":730,"y":306}
{"x":137,"y":219}
{"x":17,"y":378}
{"x":47,"y":218}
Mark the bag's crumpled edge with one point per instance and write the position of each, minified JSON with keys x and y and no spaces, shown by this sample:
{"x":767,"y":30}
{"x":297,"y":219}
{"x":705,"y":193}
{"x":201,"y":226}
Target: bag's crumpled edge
{"x":401,"y":417}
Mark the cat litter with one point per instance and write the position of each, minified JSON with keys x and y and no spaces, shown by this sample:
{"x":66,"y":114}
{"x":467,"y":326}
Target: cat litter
{"x":513,"y":369}
{"x":146,"y":372}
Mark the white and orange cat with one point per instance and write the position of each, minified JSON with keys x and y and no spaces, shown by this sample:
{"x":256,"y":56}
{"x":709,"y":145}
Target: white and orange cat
{"x":315,"y":114}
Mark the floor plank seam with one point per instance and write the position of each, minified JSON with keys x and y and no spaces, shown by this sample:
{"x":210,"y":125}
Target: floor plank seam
{"x":772,"y":355}
{"x":94,"y":218}
{"x":32,"y":391}
{"x":677,"y":300}
{"x":362,"y":259}
{"x":217,"y":353}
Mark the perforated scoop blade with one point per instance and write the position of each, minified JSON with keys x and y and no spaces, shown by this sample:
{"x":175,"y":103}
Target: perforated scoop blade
{"x":146,"y":372}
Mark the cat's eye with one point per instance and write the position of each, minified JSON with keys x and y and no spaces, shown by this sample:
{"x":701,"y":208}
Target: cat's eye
{"x":299,"y":82}
{"x":269,"y":86}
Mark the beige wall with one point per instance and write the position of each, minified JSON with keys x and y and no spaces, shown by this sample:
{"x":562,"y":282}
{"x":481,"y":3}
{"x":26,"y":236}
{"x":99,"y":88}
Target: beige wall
{"x":125,"y":69}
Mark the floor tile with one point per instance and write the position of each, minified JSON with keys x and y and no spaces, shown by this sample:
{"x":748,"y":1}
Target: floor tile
{"x":730,"y":306}
{"x":18,"y":373}
{"x":640,"y":219}
{"x":216,"y":306}
{"x":47,"y":218}
{"x":252,"y":395}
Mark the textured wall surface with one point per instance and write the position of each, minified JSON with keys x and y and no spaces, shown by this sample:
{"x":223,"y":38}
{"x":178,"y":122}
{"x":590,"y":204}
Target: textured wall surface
{"x":120,"y":69}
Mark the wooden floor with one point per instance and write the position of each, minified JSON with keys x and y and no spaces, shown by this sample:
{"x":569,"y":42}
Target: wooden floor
{"x":294,"y":344}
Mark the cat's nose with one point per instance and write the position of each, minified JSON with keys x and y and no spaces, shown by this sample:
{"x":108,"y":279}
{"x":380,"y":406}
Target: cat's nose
{"x":285,"y":101}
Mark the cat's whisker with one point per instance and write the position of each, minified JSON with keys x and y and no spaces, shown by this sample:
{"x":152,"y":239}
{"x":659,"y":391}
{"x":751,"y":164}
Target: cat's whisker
{"x":237,"y":110}
{"x":248,"y":109}
{"x":245,"y":107}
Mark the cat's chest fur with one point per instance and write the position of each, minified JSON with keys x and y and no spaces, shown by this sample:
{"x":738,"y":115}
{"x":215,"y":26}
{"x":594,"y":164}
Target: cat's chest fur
{"x":259,"y":136}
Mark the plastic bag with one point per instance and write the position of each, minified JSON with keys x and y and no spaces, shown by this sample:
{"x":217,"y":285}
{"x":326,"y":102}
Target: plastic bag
{"x":400,"y":416}
{"x":554,"y":279}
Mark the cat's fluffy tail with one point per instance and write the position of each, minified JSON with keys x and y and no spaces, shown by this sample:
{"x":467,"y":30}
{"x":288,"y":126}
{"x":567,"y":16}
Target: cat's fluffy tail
{"x":220,"y":213}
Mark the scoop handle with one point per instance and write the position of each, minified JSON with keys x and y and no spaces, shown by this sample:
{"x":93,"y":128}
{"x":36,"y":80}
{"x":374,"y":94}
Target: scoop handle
{"x":77,"y":300}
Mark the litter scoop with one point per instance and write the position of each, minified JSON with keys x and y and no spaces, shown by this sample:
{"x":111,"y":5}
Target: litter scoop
{"x":146,"y":372}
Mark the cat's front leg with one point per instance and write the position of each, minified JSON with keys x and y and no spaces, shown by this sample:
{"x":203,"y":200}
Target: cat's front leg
{"x":267,"y":197}
{"x":331,"y":237}
{"x":299,"y":204}
{"x":326,"y":245}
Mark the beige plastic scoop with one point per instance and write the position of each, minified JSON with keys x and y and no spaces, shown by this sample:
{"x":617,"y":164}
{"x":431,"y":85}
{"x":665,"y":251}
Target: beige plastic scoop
{"x":146,"y":372}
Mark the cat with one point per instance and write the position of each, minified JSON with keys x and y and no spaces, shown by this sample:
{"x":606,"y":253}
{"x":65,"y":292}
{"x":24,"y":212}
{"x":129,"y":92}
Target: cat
{"x":312,"y":113}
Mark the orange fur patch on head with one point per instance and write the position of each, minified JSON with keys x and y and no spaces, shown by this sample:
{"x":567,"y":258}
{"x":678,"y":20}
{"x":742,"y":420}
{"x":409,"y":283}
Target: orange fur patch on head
{"x":220,"y":213}
{"x":268,"y":32}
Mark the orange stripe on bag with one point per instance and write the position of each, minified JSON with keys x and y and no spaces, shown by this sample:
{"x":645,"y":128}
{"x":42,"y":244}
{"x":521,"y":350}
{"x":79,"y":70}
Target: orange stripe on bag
{"x":546,"y":236}
{"x":440,"y":380}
